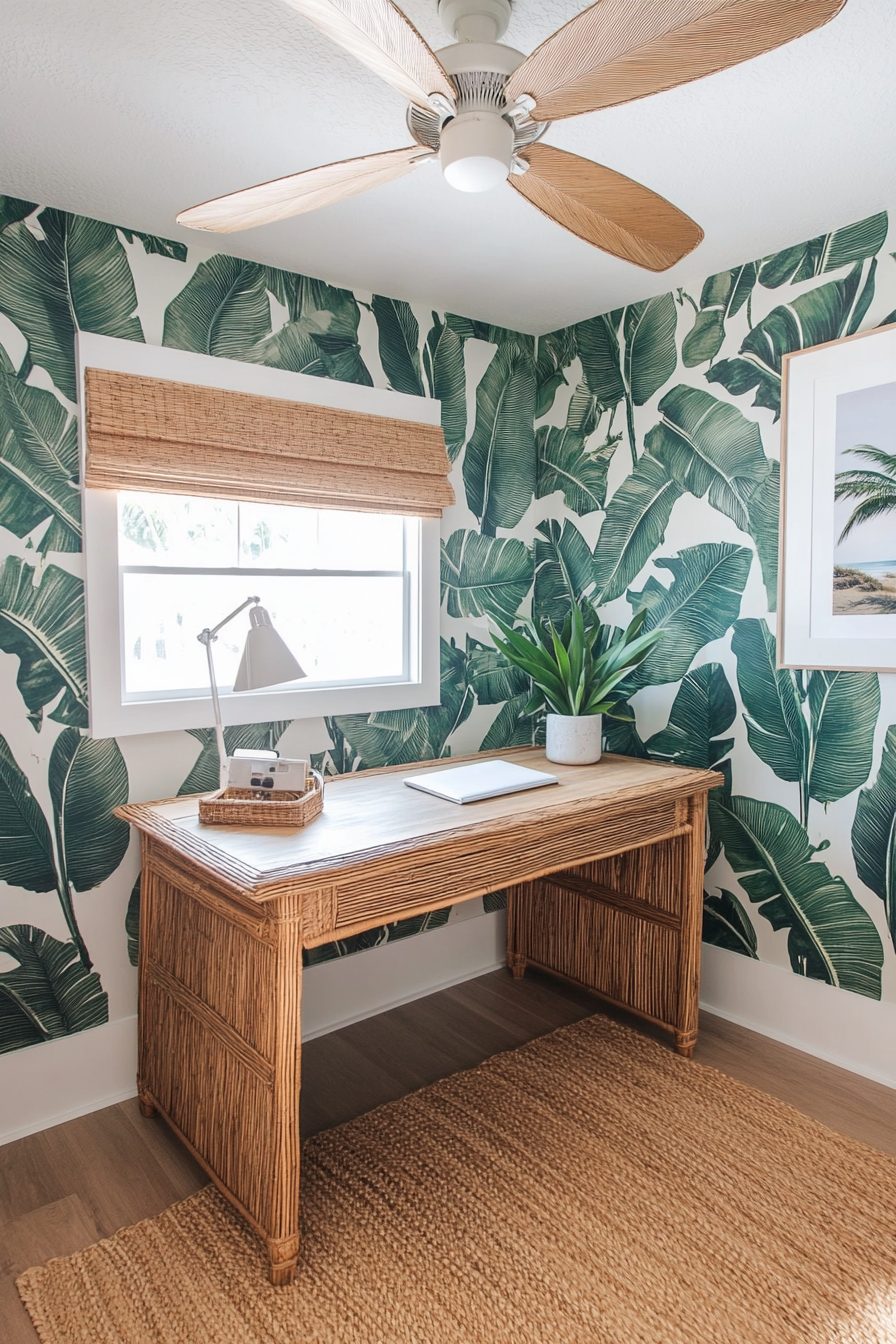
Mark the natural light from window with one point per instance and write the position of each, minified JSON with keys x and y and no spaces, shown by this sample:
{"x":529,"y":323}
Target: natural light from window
{"x":336,"y":584}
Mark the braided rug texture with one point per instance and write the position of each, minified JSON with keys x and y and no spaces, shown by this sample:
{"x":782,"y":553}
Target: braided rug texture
{"x":588,"y":1188}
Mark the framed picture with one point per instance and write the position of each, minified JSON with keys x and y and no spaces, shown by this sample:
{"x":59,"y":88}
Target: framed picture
{"x":837,"y":584}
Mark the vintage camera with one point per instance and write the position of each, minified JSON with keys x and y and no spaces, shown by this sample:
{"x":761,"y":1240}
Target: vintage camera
{"x":266,"y":772}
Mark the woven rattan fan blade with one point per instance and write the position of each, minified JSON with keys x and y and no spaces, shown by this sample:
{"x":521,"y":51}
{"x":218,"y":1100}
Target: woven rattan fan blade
{"x":300,"y":193}
{"x":620,"y":50}
{"x":606,"y":209}
{"x":379,"y":35}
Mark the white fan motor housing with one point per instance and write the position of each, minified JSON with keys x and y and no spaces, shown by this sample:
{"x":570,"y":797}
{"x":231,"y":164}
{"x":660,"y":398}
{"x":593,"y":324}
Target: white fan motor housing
{"x":476,"y":146}
{"x":476,"y":150}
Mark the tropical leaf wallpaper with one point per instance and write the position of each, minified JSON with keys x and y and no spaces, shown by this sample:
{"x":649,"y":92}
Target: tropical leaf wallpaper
{"x":630,"y":459}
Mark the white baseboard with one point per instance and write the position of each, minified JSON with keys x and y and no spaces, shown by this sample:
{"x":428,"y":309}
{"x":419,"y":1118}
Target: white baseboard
{"x":846,"y":1029}
{"x":59,"y":1080}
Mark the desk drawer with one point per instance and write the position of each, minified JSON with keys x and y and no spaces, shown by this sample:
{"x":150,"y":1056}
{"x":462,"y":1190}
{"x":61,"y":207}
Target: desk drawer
{"x":457,"y":868}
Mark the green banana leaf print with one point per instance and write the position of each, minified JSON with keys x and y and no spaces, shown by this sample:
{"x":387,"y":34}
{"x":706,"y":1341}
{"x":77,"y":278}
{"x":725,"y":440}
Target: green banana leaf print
{"x":826,"y":253}
{"x":402,"y":736}
{"x":843,"y":710}
{"x":634,"y":526}
{"x":296,"y":347}
{"x":513,"y":727}
{"x":38,"y":465}
{"x":443,"y":364}
{"x":722,"y":297}
{"x":49,"y":993}
{"x":88,"y":779}
{"x":74,"y":277}
{"x":726,"y":924}
{"x":485,"y":575}
{"x":469,"y":329}
{"x":222,"y":310}
{"x":499,"y":464}
{"x":43,"y":625}
{"x":399,"y":339}
{"x":89,"y":846}
{"x":320,"y":336}
{"x":704,"y":707}
{"x":621,"y":735}
{"x":823,"y":314}
{"x":710,"y":448}
{"x":555,"y":352}
{"x":874,"y":833}
{"x":700,"y":605}
{"x":567,"y":464}
{"x":252,"y":736}
{"x":12,"y":209}
{"x":597,"y":344}
{"x":829,"y":754}
{"x":339,"y":759}
{"x":651,"y":355}
{"x":563,"y":569}
{"x":776,"y":727}
{"x":830,"y":936}
{"x":391,"y":737}
{"x":26,"y":855}
{"x":132,"y":923}
{"x":154,"y":246}
{"x":638,"y":368}
{"x":702,"y":710}
{"x":491,"y":678}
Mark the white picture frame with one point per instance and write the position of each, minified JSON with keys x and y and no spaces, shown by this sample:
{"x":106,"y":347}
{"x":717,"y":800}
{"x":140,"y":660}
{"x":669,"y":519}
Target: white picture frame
{"x":834,"y":399}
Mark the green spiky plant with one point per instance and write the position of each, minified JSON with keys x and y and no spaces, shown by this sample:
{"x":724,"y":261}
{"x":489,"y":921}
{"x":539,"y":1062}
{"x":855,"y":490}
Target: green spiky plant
{"x":576,"y":669}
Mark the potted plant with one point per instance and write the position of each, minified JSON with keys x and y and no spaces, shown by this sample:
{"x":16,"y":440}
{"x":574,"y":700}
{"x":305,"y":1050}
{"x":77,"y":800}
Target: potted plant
{"x":575,"y":671}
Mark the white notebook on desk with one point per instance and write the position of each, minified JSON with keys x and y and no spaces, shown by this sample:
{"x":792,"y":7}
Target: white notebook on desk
{"x":482,"y":779}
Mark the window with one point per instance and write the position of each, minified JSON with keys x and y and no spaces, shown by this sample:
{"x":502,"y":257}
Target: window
{"x":343,"y":590}
{"x":319,"y":497}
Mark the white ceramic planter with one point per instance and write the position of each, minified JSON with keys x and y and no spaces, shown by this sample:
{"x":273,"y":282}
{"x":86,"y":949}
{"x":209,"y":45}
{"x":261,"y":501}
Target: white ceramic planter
{"x":574,"y":739}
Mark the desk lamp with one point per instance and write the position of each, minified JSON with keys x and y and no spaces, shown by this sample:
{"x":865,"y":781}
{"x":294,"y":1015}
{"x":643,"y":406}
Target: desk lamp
{"x":266,"y":661}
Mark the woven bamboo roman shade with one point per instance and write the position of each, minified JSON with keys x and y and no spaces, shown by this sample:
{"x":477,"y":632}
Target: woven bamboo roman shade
{"x":178,"y":438}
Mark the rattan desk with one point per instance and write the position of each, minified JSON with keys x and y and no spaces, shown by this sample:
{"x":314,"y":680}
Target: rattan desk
{"x":605,"y":872}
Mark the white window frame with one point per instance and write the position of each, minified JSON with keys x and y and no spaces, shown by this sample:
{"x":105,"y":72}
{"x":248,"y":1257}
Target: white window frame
{"x":111,"y":714}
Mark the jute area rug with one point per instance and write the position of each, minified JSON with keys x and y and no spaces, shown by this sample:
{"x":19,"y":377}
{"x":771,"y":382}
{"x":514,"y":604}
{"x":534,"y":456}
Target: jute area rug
{"x":589,"y":1187}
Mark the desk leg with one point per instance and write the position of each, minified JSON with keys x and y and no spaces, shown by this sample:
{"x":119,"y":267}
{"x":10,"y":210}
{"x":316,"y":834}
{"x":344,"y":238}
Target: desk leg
{"x":689,"y":944}
{"x":517,"y":961}
{"x":283,"y":1236}
{"x":220,"y":1042}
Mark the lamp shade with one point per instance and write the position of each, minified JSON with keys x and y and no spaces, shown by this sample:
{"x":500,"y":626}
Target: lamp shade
{"x":266,"y":660}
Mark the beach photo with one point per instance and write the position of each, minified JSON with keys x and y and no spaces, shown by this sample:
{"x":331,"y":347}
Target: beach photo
{"x":864,"y":557}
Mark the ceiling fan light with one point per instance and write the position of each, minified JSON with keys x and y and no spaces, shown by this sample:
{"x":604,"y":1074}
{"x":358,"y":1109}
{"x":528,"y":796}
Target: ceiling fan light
{"x":476,"y":151}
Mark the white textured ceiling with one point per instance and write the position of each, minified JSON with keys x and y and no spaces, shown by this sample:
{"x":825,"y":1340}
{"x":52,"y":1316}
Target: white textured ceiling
{"x":130,"y":110}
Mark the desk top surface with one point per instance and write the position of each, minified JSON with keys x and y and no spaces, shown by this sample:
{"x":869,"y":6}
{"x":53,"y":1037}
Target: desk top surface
{"x":373,"y":813}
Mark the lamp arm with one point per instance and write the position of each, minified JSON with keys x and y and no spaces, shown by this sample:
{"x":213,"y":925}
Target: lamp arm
{"x":206,"y":637}
{"x":219,"y":726}
{"x":206,"y":634}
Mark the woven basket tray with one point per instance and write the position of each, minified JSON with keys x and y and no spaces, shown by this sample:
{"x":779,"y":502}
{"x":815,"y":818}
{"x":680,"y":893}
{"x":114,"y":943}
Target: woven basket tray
{"x":243,"y":807}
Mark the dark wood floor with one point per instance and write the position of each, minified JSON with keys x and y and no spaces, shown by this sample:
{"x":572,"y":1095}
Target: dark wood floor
{"x":69,"y":1186}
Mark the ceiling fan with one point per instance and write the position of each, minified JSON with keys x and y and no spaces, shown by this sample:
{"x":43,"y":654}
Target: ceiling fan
{"x":480,"y":108}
